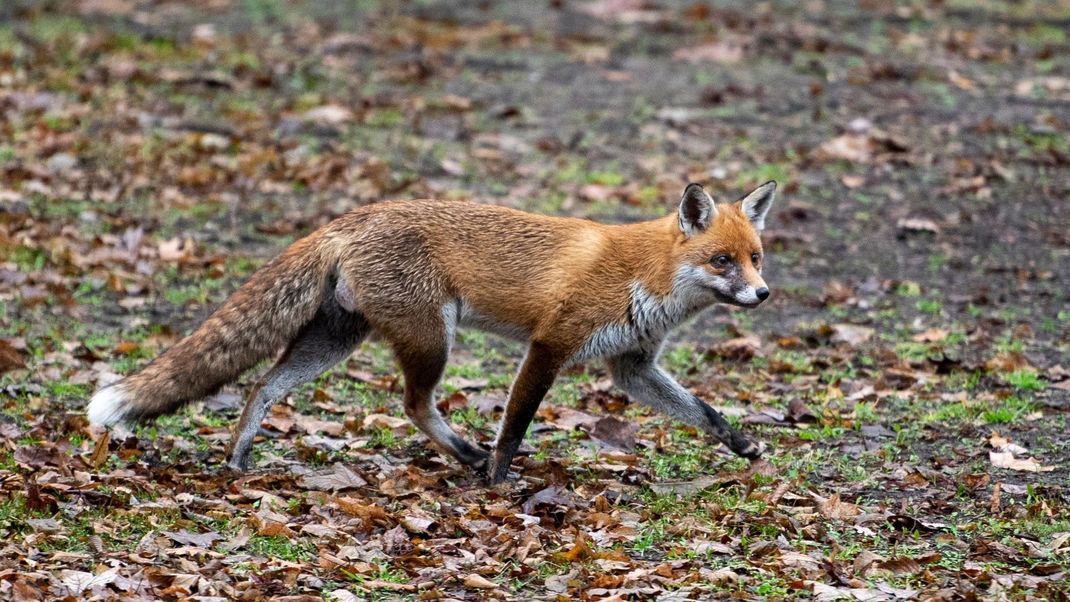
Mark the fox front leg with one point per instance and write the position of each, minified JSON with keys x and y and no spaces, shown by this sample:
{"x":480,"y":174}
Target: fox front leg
{"x":641,"y":378}
{"x":536,"y":376}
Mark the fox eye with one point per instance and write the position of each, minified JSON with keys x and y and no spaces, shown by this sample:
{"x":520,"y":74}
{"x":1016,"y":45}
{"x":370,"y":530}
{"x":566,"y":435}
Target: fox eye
{"x":721,"y":261}
{"x":755,"y":258}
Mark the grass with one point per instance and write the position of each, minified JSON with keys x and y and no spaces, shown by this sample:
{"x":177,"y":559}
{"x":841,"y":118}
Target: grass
{"x":1007,"y":411}
{"x":1024,"y":380}
{"x":284,"y":548}
{"x":940,"y":425}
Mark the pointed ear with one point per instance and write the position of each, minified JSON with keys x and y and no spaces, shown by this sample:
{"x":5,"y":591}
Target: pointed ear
{"x":756,"y":204}
{"x":697,"y":210}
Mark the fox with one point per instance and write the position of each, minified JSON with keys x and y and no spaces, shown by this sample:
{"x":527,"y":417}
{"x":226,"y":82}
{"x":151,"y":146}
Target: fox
{"x":412,"y":272}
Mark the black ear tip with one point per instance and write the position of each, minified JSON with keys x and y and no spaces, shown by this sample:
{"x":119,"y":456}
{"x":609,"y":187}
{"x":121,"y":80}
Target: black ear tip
{"x":692,"y":187}
{"x":771,"y":183}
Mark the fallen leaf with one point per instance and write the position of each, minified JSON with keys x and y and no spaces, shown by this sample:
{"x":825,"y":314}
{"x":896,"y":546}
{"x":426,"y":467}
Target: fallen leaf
{"x":393,"y":423}
{"x":615,"y":433}
{"x":417,"y":524}
{"x":10,"y":358}
{"x":740,"y":348}
{"x":77,"y":582}
{"x":375,"y":585}
{"x":324,"y":443}
{"x":1007,"y":460}
{"x":910,"y":523}
{"x":479,"y":582}
{"x":396,"y":542}
{"x":851,"y":334}
{"x":579,"y":551}
{"x":45,"y":525}
{"x":100,"y":451}
{"x":798,"y":411}
{"x":368,"y":512}
{"x":1001,"y":443}
{"x":864,"y":561}
{"x":36,"y":456}
{"x":865,"y":147}
{"x":567,"y":419}
{"x":201,"y":540}
{"x":899,"y":566}
{"x":550,"y":496}
{"x":834,"y":508}
{"x":343,"y":595}
{"x":223,"y":401}
{"x":336,"y":478}
{"x":853,"y":181}
{"x":932,"y":335}
{"x":457,"y":401}
{"x":313,"y":426}
{"x":176,"y":250}
{"x":328,"y":115}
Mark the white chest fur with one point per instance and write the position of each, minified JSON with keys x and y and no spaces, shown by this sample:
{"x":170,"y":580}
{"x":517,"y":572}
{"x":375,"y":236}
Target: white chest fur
{"x":650,"y":318}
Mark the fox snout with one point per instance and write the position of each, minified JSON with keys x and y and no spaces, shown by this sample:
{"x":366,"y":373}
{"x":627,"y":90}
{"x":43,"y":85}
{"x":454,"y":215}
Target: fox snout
{"x":752,"y":296}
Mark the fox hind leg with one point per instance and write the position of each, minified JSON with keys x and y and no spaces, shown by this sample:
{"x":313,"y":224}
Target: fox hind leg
{"x":328,"y":339}
{"x":422,"y":349}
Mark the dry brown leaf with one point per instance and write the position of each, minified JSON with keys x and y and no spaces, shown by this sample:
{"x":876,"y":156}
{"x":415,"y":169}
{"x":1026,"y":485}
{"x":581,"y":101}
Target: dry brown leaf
{"x":100,"y":451}
{"x":393,"y":423}
{"x":615,"y":433}
{"x":337,"y":478}
{"x":417,"y":524}
{"x":176,"y":249}
{"x":932,"y":335}
{"x":479,"y":582}
{"x":851,"y":334}
{"x":864,"y":561}
{"x":366,"y":512}
{"x":77,"y":582}
{"x":10,"y":358}
{"x":200,"y":540}
{"x":899,"y":566}
{"x":579,"y":551}
{"x":1007,"y":460}
{"x":740,"y":348}
{"x":853,"y":181}
{"x":328,"y":115}
{"x":836,"y":509}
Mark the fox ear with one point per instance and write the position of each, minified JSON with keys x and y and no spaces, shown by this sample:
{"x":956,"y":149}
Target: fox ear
{"x":756,"y":204}
{"x":697,"y":210}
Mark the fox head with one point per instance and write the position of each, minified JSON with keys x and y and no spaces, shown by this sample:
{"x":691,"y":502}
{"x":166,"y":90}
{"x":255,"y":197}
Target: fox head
{"x":720,"y":253}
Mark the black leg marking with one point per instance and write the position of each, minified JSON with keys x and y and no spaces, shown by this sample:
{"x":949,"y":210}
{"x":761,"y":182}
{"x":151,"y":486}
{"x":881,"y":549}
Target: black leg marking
{"x":535,"y":378}
{"x":640,"y":377}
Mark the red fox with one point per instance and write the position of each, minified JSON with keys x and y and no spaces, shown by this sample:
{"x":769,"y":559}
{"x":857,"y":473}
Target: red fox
{"x":415,"y":271}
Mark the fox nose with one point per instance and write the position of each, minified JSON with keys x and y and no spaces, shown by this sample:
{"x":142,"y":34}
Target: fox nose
{"x":763,"y":293}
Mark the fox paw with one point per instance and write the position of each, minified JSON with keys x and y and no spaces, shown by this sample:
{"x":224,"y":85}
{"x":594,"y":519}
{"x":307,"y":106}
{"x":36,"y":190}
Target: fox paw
{"x":510,"y":476}
{"x":752,"y":450}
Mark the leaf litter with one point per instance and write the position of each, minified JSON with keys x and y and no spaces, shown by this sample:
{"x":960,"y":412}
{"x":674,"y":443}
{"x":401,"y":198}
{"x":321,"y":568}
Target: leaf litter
{"x":878,"y":388}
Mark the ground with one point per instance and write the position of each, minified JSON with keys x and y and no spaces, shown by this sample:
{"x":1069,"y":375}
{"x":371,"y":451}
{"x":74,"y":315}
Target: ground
{"x":911,"y":372}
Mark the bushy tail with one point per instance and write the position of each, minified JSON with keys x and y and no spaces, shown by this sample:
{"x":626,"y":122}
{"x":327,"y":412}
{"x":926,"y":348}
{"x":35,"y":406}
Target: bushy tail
{"x":262,"y":316}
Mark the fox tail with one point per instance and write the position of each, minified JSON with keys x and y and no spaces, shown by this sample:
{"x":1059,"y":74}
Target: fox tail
{"x":254,"y":323}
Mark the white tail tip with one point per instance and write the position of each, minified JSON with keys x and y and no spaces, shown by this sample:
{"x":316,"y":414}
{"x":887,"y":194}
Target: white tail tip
{"x":107,"y":406}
